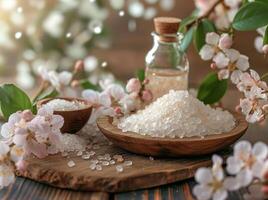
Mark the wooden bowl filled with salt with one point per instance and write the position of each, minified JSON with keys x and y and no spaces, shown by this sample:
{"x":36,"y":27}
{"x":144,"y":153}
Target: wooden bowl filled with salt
{"x":75,"y":112}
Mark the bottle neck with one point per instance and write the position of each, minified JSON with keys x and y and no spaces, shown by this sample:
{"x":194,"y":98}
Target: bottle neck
{"x":167,"y":38}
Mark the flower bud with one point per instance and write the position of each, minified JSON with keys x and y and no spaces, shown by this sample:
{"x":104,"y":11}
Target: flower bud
{"x":213,"y":66}
{"x":225,"y":41}
{"x":27,"y":115}
{"x":146,"y":81}
{"x":147,"y":95}
{"x":118,"y":110}
{"x":75,"y":83}
{"x":133,"y":85}
{"x":79,"y":66}
{"x":265,"y":49}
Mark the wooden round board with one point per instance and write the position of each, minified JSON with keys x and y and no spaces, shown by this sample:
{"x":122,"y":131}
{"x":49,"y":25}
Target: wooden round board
{"x":172,"y":147}
{"x":144,"y":173}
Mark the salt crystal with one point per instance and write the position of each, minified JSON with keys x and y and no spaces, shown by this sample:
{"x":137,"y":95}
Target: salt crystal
{"x":79,"y":153}
{"x":64,"y":154}
{"x":95,"y":147}
{"x":71,"y":163}
{"x":92,"y":166}
{"x":91,"y":153}
{"x":64,"y":105}
{"x":112,"y":162}
{"x":85,"y":156}
{"x":105,"y":163}
{"x":178,"y":114}
{"x":98,"y":167}
{"x":151,"y":158}
{"x":119,"y":168}
{"x":127,"y":163}
{"x":94,"y":161}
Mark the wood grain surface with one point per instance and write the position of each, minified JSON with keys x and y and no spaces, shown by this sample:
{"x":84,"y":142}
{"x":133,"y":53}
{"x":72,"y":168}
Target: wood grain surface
{"x":144,"y":172}
{"x":172,"y":147}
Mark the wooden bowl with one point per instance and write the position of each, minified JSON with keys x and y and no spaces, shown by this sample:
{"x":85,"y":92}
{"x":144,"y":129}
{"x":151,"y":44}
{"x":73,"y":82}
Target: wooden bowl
{"x":177,"y":147}
{"x":74,"y":120}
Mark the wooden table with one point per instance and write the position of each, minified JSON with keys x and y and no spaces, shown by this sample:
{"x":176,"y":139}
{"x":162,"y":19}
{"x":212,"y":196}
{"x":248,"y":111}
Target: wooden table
{"x":27,"y":189}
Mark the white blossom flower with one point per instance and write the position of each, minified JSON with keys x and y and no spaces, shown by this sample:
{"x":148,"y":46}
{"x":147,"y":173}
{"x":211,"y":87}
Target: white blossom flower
{"x":211,"y":183}
{"x":247,"y":162}
{"x":210,"y":49}
{"x":102,"y":104}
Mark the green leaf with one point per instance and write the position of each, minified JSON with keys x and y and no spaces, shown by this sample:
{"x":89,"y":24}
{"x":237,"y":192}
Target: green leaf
{"x":204,"y":27}
{"x":188,"y":20}
{"x":140,"y":74}
{"x":48,"y":93}
{"x":186,"y":41}
{"x":265,"y":37}
{"x":251,"y":16}
{"x":13,"y":99}
{"x":86,"y":84}
{"x":212,"y":89}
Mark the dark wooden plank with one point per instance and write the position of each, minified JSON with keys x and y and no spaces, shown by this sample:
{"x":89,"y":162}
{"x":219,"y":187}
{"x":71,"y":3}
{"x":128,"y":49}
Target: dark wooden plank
{"x":25,"y":189}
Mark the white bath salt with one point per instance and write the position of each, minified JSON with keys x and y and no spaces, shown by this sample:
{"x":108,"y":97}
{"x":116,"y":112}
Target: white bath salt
{"x":64,"y":105}
{"x":119,"y":168}
{"x":178,"y":114}
{"x":72,"y":142}
{"x":71,"y":163}
{"x":127,"y":163}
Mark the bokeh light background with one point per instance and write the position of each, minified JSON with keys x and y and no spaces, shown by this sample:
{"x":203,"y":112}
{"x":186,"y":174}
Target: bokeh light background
{"x":109,"y":35}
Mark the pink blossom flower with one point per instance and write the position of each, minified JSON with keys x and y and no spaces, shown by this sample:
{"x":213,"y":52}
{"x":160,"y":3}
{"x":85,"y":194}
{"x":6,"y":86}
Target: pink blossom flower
{"x":147,"y":95}
{"x":133,"y":85}
{"x":102,"y":104}
{"x":225,"y":41}
{"x":115,"y":91}
{"x":251,"y":110}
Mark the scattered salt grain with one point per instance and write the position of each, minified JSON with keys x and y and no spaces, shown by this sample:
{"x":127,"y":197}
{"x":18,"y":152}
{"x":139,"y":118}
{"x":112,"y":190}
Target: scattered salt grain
{"x":119,"y":168}
{"x":79,"y":153}
{"x":105,"y":163}
{"x":98,"y":167}
{"x":71,"y":163}
{"x":127,"y":163}
{"x":85,"y":156}
{"x":112,"y":162}
{"x":64,"y":105}
{"x":92,"y":166}
{"x":151,"y":158}
{"x":178,"y":114}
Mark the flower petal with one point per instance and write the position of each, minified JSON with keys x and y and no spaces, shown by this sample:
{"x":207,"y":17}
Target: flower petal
{"x":212,"y":38}
{"x":244,"y":177}
{"x":242,"y":148}
{"x":257,"y":169}
{"x":105,"y":99}
{"x":203,"y":175}
{"x":259,"y":150}
{"x":234,"y":165}
{"x":254,"y":75}
{"x":207,"y":52}
{"x":223,"y":74}
{"x":235,"y":76}
{"x":231,"y":183}
{"x":202,"y":192}
{"x":220,"y":194}
{"x":221,"y":60}
{"x":91,"y":95}
{"x":242,"y":63}
{"x":232,"y":54}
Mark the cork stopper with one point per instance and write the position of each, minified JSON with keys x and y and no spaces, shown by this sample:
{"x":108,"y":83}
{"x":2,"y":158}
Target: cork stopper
{"x":165,"y":26}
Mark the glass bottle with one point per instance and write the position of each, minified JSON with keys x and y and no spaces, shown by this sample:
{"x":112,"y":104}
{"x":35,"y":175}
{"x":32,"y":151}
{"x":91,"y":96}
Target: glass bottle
{"x":167,"y":67}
